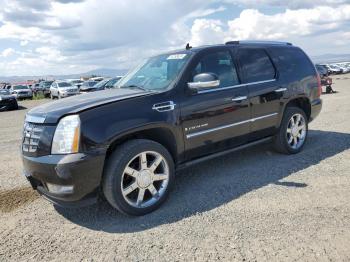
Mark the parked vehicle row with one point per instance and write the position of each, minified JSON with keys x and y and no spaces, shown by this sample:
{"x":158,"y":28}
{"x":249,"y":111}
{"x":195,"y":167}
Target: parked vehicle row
{"x":61,"y":89}
{"x":336,"y":68}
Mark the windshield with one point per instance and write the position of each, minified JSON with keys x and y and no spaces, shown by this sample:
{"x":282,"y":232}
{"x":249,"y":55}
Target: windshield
{"x":20,"y":87}
{"x":156,"y":73}
{"x":4,"y":92}
{"x":76,"y":81}
{"x":46,"y":83}
{"x":89,"y":83}
{"x":101,"y":83}
{"x":64,"y":84}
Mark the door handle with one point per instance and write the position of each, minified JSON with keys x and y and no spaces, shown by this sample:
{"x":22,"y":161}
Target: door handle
{"x":280,"y":90}
{"x":239,"y":98}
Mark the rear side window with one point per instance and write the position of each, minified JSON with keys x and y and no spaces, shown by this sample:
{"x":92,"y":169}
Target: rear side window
{"x":256,"y":65}
{"x":292,"y":61}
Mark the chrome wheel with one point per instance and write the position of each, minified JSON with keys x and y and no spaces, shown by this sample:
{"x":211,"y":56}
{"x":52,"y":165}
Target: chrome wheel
{"x":296,"y":131}
{"x":145,"y":179}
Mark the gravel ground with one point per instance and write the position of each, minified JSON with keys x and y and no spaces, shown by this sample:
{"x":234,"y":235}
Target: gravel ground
{"x":254,"y":205}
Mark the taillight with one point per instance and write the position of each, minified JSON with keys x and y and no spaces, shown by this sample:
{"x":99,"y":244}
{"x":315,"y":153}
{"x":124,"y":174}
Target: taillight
{"x":319,"y":85}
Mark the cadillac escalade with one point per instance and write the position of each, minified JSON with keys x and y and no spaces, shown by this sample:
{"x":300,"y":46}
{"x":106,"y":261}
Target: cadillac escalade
{"x":171,"y":111}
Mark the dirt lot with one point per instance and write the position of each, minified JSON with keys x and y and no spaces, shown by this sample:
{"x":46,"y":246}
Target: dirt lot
{"x":254,"y":205}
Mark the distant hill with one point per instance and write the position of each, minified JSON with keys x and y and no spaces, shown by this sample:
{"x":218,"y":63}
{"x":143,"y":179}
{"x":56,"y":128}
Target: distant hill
{"x":106,"y":72}
{"x":331,"y":58}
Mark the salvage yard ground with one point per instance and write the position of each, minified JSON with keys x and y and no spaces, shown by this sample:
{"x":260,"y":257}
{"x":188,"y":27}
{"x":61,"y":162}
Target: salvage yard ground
{"x":253,"y":205}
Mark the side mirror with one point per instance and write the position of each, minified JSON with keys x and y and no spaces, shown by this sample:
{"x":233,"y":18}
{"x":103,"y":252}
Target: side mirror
{"x":204,"y":81}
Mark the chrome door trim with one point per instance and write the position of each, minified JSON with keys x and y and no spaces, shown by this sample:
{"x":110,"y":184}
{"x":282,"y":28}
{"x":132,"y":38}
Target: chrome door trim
{"x":228,"y":126}
{"x":235,"y":86}
{"x":239,"y":98}
{"x":280,"y":90}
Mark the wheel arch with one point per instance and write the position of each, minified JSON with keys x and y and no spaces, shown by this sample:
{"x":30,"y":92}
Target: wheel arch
{"x":301,"y":102}
{"x":158,"y":133}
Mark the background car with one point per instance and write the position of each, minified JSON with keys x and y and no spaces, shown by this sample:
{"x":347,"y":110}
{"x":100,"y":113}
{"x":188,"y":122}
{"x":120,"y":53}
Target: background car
{"x":97,"y":78}
{"x":7,"y":101}
{"x":322,"y":70}
{"x":88,"y":86}
{"x":61,"y":89}
{"x":21,"y":91}
{"x":335,"y":69}
{"x":107,"y":83}
{"x":45,"y":87}
{"x":76,"y":82}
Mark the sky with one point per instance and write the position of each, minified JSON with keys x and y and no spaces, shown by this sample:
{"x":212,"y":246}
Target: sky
{"x":41,"y":37}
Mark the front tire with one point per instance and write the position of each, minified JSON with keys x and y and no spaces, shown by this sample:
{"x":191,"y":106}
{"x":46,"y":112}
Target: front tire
{"x":138,"y":177}
{"x":293,"y":131}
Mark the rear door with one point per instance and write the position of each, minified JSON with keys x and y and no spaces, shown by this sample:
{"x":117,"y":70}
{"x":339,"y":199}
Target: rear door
{"x":218,"y":118}
{"x":265,"y":93}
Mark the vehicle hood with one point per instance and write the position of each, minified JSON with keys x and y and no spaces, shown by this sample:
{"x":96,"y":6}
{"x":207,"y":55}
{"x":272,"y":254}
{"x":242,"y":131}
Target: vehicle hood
{"x":87,"y":87}
{"x":51,"y":112}
{"x":3,"y":97}
{"x":67,"y":87}
{"x":22,"y":90}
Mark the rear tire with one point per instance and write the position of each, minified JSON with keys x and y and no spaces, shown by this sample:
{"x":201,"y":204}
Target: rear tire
{"x":138,"y":177}
{"x":292,"y":134}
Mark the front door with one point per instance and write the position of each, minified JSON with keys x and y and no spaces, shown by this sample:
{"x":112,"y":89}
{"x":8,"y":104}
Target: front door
{"x":218,"y":118}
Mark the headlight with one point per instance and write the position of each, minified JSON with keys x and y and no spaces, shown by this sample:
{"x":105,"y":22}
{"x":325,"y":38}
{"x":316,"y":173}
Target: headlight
{"x":67,"y":136}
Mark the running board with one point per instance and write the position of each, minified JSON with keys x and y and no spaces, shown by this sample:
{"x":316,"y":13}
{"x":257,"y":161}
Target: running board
{"x":215,"y":155}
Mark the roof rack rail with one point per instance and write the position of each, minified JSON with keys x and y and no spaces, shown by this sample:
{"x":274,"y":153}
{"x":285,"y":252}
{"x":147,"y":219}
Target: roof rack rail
{"x":257,"y":42}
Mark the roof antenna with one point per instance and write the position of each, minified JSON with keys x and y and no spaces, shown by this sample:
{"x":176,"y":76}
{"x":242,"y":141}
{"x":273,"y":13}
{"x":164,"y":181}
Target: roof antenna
{"x":188,"y":47}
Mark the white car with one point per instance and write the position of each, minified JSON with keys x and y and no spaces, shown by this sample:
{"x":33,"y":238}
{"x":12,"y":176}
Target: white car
{"x":21,"y":92}
{"x":61,"y":89}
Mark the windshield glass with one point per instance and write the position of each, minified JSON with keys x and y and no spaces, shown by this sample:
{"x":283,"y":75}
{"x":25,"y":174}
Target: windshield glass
{"x":76,"y":81}
{"x":156,"y":73}
{"x":64,"y":84}
{"x":101,"y":83}
{"x":89,"y":83}
{"x":20,"y":87}
{"x":46,"y":83}
{"x":4,"y":92}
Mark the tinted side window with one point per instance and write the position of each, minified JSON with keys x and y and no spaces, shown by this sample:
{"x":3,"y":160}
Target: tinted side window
{"x":256,"y":65}
{"x":292,"y":61}
{"x":221,"y":64}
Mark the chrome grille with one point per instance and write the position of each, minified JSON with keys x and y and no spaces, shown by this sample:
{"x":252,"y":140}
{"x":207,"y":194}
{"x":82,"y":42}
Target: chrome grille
{"x":31,"y":137}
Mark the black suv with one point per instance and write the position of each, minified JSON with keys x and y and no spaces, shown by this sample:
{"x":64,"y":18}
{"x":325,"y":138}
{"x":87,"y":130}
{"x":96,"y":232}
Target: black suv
{"x":172,"y":111}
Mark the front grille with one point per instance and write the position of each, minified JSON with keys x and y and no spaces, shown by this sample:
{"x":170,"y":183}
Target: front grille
{"x":71,"y":90}
{"x":31,"y":137}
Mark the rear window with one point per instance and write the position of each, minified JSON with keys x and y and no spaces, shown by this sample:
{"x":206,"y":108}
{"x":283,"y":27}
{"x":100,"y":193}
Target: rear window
{"x":292,"y":61}
{"x":256,"y":65}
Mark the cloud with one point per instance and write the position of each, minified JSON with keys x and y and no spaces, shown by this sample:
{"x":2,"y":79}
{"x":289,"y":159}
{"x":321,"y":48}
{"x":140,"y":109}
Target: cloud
{"x":71,"y":36}
{"x":252,"y":24}
{"x":291,"y":4}
{"x":7,"y":52}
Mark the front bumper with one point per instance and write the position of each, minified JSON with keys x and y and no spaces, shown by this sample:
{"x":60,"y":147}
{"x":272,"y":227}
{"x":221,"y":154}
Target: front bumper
{"x":82,"y":171}
{"x":316,"y":107}
{"x":19,"y":96}
{"x":69,"y":94}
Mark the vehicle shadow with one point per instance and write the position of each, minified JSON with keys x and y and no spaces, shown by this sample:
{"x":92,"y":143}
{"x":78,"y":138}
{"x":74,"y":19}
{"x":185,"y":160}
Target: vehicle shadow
{"x":216,"y":182}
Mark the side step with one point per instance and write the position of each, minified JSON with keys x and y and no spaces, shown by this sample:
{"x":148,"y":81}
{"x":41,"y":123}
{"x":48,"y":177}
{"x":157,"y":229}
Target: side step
{"x":215,"y":155}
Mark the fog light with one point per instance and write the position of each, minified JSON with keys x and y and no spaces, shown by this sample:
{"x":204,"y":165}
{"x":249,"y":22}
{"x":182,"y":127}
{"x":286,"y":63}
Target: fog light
{"x":58,"y":189}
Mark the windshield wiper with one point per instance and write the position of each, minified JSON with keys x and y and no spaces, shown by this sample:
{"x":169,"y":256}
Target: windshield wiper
{"x":135,"y":86}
